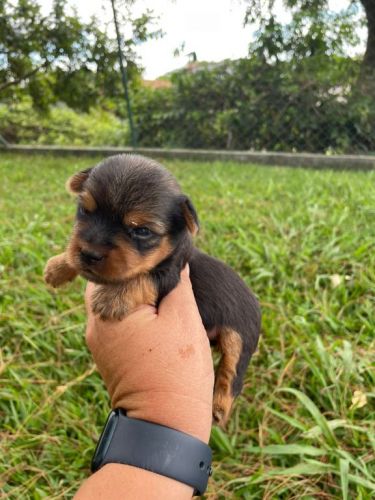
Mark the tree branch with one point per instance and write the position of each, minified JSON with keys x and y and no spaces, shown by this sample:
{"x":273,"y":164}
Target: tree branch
{"x":24,"y":77}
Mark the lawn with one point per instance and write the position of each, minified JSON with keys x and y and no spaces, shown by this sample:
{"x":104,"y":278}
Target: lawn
{"x":303,"y":240}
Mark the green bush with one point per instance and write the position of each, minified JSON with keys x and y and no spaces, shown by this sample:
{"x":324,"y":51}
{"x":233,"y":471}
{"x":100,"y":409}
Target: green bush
{"x":21,"y":123}
{"x":317,"y":106}
{"x":156,"y":117}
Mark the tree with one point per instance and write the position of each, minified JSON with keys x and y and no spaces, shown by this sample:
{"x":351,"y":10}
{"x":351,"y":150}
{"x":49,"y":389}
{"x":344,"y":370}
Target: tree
{"x":369,"y":58}
{"x":312,"y":30}
{"x":315,"y":34}
{"x":59,"y":57}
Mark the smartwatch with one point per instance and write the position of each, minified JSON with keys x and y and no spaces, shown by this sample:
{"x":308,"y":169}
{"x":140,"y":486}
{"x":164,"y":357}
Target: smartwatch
{"x":154,"y":447}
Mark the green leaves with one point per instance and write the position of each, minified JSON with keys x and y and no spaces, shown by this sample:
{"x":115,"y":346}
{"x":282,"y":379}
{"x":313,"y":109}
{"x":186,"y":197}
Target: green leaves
{"x":256,"y":104}
{"x":313,"y":30}
{"x":61,"y":126}
{"x":60,"y":57}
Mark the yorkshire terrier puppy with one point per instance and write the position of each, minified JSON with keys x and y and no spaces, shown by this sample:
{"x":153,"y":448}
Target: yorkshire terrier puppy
{"x":132,"y":236}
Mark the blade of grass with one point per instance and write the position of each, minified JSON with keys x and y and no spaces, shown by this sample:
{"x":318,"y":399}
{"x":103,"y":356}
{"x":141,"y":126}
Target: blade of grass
{"x":344,"y":470}
{"x":219,"y":441}
{"x":287,"y":449}
{"x":288,"y":419}
{"x":315,"y":413}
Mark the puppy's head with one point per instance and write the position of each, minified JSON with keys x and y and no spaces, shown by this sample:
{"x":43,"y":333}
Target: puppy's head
{"x":131,"y":216}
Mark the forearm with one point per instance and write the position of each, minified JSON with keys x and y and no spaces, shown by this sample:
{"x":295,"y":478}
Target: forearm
{"x":124,"y":482}
{"x":157,"y":365}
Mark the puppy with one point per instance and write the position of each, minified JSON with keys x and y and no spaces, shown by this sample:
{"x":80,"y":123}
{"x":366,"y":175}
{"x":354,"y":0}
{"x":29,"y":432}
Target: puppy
{"x":132,"y":236}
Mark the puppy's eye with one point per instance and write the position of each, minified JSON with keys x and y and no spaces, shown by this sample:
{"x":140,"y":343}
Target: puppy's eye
{"x":82,"y":210}
{"x":141,"y":232}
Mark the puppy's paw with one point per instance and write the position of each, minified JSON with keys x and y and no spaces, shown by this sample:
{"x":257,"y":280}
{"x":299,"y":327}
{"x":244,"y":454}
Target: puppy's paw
{"x":109,"y":304}
{"x":58,"y":271}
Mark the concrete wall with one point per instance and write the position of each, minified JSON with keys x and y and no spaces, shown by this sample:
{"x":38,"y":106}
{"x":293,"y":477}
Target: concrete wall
{"x":351,"y":162}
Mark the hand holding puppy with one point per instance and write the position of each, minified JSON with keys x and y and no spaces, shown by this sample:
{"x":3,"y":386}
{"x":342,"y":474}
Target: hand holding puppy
{"x":156,"y":364}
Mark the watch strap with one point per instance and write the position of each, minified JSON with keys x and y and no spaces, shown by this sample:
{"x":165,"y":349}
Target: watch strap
{"x":155,"y":448}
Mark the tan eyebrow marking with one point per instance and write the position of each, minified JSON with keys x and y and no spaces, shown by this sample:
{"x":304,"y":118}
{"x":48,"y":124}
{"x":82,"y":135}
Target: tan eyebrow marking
{"x":135,"y":219}
{"x":88,"y":201}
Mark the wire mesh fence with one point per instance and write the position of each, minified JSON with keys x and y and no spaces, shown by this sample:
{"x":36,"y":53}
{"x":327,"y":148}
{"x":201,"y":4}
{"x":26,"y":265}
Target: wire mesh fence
{"x":246,"y":104}
{"x":251,"y":105}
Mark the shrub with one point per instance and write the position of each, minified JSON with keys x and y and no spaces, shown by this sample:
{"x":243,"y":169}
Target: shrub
{"x":21,"y":123}
{"x":251,"y":104}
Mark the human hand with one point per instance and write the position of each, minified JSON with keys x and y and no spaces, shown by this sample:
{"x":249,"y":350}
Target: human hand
{"x":157,"y":364}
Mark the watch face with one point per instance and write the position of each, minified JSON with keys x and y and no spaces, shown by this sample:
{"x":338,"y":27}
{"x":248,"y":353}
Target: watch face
{"x":104,"y":440}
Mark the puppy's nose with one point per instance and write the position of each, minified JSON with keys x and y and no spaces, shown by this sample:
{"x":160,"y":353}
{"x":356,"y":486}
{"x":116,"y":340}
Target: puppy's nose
{"x":90,"y":257}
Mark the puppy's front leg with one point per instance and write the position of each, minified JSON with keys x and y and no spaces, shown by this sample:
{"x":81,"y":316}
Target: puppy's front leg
{"x":58,"y":271}
{"x":114,"y":302}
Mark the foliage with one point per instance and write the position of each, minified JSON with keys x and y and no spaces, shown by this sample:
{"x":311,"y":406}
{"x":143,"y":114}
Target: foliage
{"x":156,"y":117}
{"x":304,"y":241}
{"x":21,"y":123}
{"x":244,"y":104}
{"x":254,"y":104}
{"x":315,"y":30}
{"x":59,"y":57}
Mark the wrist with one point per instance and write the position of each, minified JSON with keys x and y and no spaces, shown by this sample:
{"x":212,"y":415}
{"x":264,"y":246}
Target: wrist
{"x":193,"y":417}
{"x":157,"y":448}
{"x":118,"y":481}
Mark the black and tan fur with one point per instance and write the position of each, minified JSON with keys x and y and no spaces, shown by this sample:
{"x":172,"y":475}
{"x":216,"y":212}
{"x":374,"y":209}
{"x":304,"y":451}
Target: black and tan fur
{"x":133,"y":235}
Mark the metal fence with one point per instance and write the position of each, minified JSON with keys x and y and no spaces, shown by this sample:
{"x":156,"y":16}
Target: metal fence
{"x":252,"y":105}
{"x":246,"y":105}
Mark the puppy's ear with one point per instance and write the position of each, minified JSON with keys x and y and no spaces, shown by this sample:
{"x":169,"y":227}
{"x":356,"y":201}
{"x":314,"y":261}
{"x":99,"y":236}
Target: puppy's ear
{"x":75,"y":183}
{"x":190,"y":215}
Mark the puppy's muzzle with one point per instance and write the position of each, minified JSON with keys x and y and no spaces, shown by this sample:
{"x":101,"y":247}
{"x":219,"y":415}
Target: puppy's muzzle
{"x":90,"y":257}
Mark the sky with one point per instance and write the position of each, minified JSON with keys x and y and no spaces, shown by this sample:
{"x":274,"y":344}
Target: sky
{"x":211,"y":28}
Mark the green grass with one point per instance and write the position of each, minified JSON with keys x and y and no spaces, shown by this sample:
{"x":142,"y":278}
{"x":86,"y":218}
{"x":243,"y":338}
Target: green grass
{"x":304,"y":241}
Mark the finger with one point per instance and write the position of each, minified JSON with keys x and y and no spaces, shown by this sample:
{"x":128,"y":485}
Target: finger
{"x":88,"y":296}
{"x":180,"y":301}
{"x":90,"y":332}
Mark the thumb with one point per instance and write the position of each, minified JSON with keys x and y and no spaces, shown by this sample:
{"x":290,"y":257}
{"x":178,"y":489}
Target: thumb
{"x":180,"y":301}
{"x":90,"y":287}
